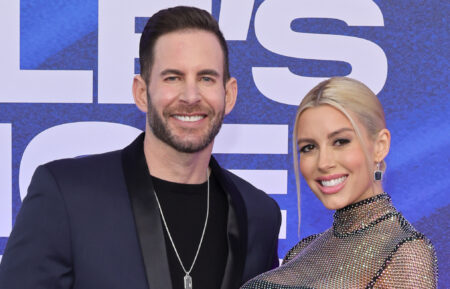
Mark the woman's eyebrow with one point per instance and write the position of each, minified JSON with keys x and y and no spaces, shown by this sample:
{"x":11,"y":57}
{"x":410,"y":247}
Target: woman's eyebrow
{"x":308,"y":140}
{"x":334,"y":133}
{"x":330,"y":135}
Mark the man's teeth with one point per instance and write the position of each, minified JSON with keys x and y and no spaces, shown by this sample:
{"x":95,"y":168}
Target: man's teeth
{"x":190,"y":118}
{"x":333,"y":182}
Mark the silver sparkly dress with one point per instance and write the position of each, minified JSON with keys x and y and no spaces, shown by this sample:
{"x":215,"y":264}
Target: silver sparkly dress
{"x":370,"y":245}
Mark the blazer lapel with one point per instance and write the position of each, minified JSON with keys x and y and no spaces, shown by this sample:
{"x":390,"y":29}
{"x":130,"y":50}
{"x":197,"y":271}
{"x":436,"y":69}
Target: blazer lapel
{"x":146,"y":215}
{"x":236,"y":229}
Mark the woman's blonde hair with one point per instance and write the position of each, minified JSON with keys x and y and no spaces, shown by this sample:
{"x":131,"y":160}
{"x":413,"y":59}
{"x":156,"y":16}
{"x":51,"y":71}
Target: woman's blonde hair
{"x":348,"y":96}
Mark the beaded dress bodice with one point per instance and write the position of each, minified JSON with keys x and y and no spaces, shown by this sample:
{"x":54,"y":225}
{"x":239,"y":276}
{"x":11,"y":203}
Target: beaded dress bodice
{"x":370,"y":245}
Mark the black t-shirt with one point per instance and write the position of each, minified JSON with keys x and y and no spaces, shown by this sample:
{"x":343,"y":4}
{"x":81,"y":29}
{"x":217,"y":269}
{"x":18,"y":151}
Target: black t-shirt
{"x":184,"y":208}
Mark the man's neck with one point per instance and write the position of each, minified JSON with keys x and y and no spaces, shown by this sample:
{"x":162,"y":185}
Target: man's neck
{"x":166,"y":163}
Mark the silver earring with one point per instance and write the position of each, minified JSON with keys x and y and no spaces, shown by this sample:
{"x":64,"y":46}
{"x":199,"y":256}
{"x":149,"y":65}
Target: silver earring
{"x":378,"y":174}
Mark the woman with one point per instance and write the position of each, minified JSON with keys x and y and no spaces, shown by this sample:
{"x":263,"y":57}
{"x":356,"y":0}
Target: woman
{"x":341,"y":140}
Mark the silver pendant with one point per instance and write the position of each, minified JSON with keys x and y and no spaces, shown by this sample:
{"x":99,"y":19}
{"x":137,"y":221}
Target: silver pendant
{"x":187,"y":282}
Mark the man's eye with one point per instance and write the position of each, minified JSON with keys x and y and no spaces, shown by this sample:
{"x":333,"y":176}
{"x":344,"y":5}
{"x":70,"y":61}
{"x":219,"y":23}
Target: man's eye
{"x":306,"y":148}
{"x":172,"y":78}
{"x":207,"y":79}
{"x":341,"y":142}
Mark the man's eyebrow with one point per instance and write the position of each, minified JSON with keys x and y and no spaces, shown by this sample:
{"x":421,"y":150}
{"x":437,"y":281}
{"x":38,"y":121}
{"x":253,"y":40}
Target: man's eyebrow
{"x":211,"y":72}
{"x":330,"y":135}
{"x":171,"y":71}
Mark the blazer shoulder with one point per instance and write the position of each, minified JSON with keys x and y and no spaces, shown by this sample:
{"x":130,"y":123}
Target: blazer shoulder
{"x":85,"y":163}
{"x":250,"y":193}
{"x":86,"y":174}
{"x":96,"y":163}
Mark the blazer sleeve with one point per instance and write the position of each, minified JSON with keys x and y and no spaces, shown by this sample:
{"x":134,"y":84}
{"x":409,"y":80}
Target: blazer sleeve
{"x":38,"y":252}
{"x":275,"y":260}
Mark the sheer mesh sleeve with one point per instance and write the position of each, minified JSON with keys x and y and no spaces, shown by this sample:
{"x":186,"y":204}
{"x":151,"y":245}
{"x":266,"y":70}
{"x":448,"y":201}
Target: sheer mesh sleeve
{"x":413,"y":265}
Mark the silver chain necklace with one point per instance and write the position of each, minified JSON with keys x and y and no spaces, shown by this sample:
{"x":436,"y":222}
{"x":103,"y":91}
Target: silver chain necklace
{"x":187,"y":277}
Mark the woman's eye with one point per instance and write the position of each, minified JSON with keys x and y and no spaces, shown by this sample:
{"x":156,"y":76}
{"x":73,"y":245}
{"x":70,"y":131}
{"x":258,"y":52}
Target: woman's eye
{"x":341,"y":141}
{"x":306,"y":148}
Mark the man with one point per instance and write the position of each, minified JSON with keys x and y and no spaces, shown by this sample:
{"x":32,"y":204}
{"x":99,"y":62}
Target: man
{"x":160,"y":213}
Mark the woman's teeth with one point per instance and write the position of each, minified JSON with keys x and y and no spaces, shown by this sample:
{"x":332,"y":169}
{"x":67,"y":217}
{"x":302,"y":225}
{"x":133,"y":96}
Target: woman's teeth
{"x":333,"y":182}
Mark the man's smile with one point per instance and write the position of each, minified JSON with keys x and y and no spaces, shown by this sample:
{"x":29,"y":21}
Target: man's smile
{"x":189,"y":118}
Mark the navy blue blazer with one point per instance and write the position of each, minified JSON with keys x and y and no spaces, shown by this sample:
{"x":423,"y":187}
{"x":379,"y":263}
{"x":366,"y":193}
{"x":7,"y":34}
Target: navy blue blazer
{"x":91,"y":223}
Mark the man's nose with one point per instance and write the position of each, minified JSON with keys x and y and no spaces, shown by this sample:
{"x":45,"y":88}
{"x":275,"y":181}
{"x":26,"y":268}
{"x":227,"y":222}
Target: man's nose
{"x":191,"y":92}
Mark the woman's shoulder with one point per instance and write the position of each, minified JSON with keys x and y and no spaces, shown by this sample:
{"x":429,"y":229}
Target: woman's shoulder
{"x":411,"y":237}
{"x":412,"y":260}
{"x":416,"y":248}
{"x":412,"y":264}
{"x":299,"y":247}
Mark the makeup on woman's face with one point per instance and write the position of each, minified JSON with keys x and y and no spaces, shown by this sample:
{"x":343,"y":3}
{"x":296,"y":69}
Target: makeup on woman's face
{"x":332,"y":159}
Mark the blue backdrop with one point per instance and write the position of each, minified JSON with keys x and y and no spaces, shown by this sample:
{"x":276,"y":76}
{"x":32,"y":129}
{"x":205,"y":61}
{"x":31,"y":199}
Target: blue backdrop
{"x":400,"y":49}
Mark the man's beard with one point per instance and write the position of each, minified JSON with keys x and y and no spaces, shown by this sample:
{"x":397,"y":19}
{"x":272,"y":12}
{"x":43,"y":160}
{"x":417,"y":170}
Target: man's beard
{"x":160,"y":129}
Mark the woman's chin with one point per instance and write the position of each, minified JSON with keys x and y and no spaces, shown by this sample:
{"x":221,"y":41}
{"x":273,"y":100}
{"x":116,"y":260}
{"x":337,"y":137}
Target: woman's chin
{"x":333,"y":202}
{"x":333,"y":207}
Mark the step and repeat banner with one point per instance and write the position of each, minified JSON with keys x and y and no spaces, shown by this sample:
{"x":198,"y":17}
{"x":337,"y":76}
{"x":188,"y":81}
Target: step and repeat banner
{"x":66,"y":69}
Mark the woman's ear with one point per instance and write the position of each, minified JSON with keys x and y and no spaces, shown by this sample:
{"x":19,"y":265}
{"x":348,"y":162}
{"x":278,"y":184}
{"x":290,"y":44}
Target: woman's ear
{"x":231,"y":90}
{"x":382,"y":145}
{"x":140,"y":93}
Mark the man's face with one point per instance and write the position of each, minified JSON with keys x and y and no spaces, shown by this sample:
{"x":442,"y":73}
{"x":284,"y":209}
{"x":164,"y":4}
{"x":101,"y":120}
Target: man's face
{"x":187,"y":98}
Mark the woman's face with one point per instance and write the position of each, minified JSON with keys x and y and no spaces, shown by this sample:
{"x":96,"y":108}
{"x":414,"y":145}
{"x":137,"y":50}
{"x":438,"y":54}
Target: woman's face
{"x":332,"y":159}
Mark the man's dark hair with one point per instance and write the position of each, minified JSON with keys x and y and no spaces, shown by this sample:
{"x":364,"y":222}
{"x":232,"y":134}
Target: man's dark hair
{"x":176,"y":19}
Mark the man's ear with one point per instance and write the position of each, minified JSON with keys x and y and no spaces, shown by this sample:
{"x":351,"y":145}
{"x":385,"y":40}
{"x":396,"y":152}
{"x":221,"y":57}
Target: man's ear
{"x":382,"y":145}
{"x":140,"y":93}
{"x":231,"y":90}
